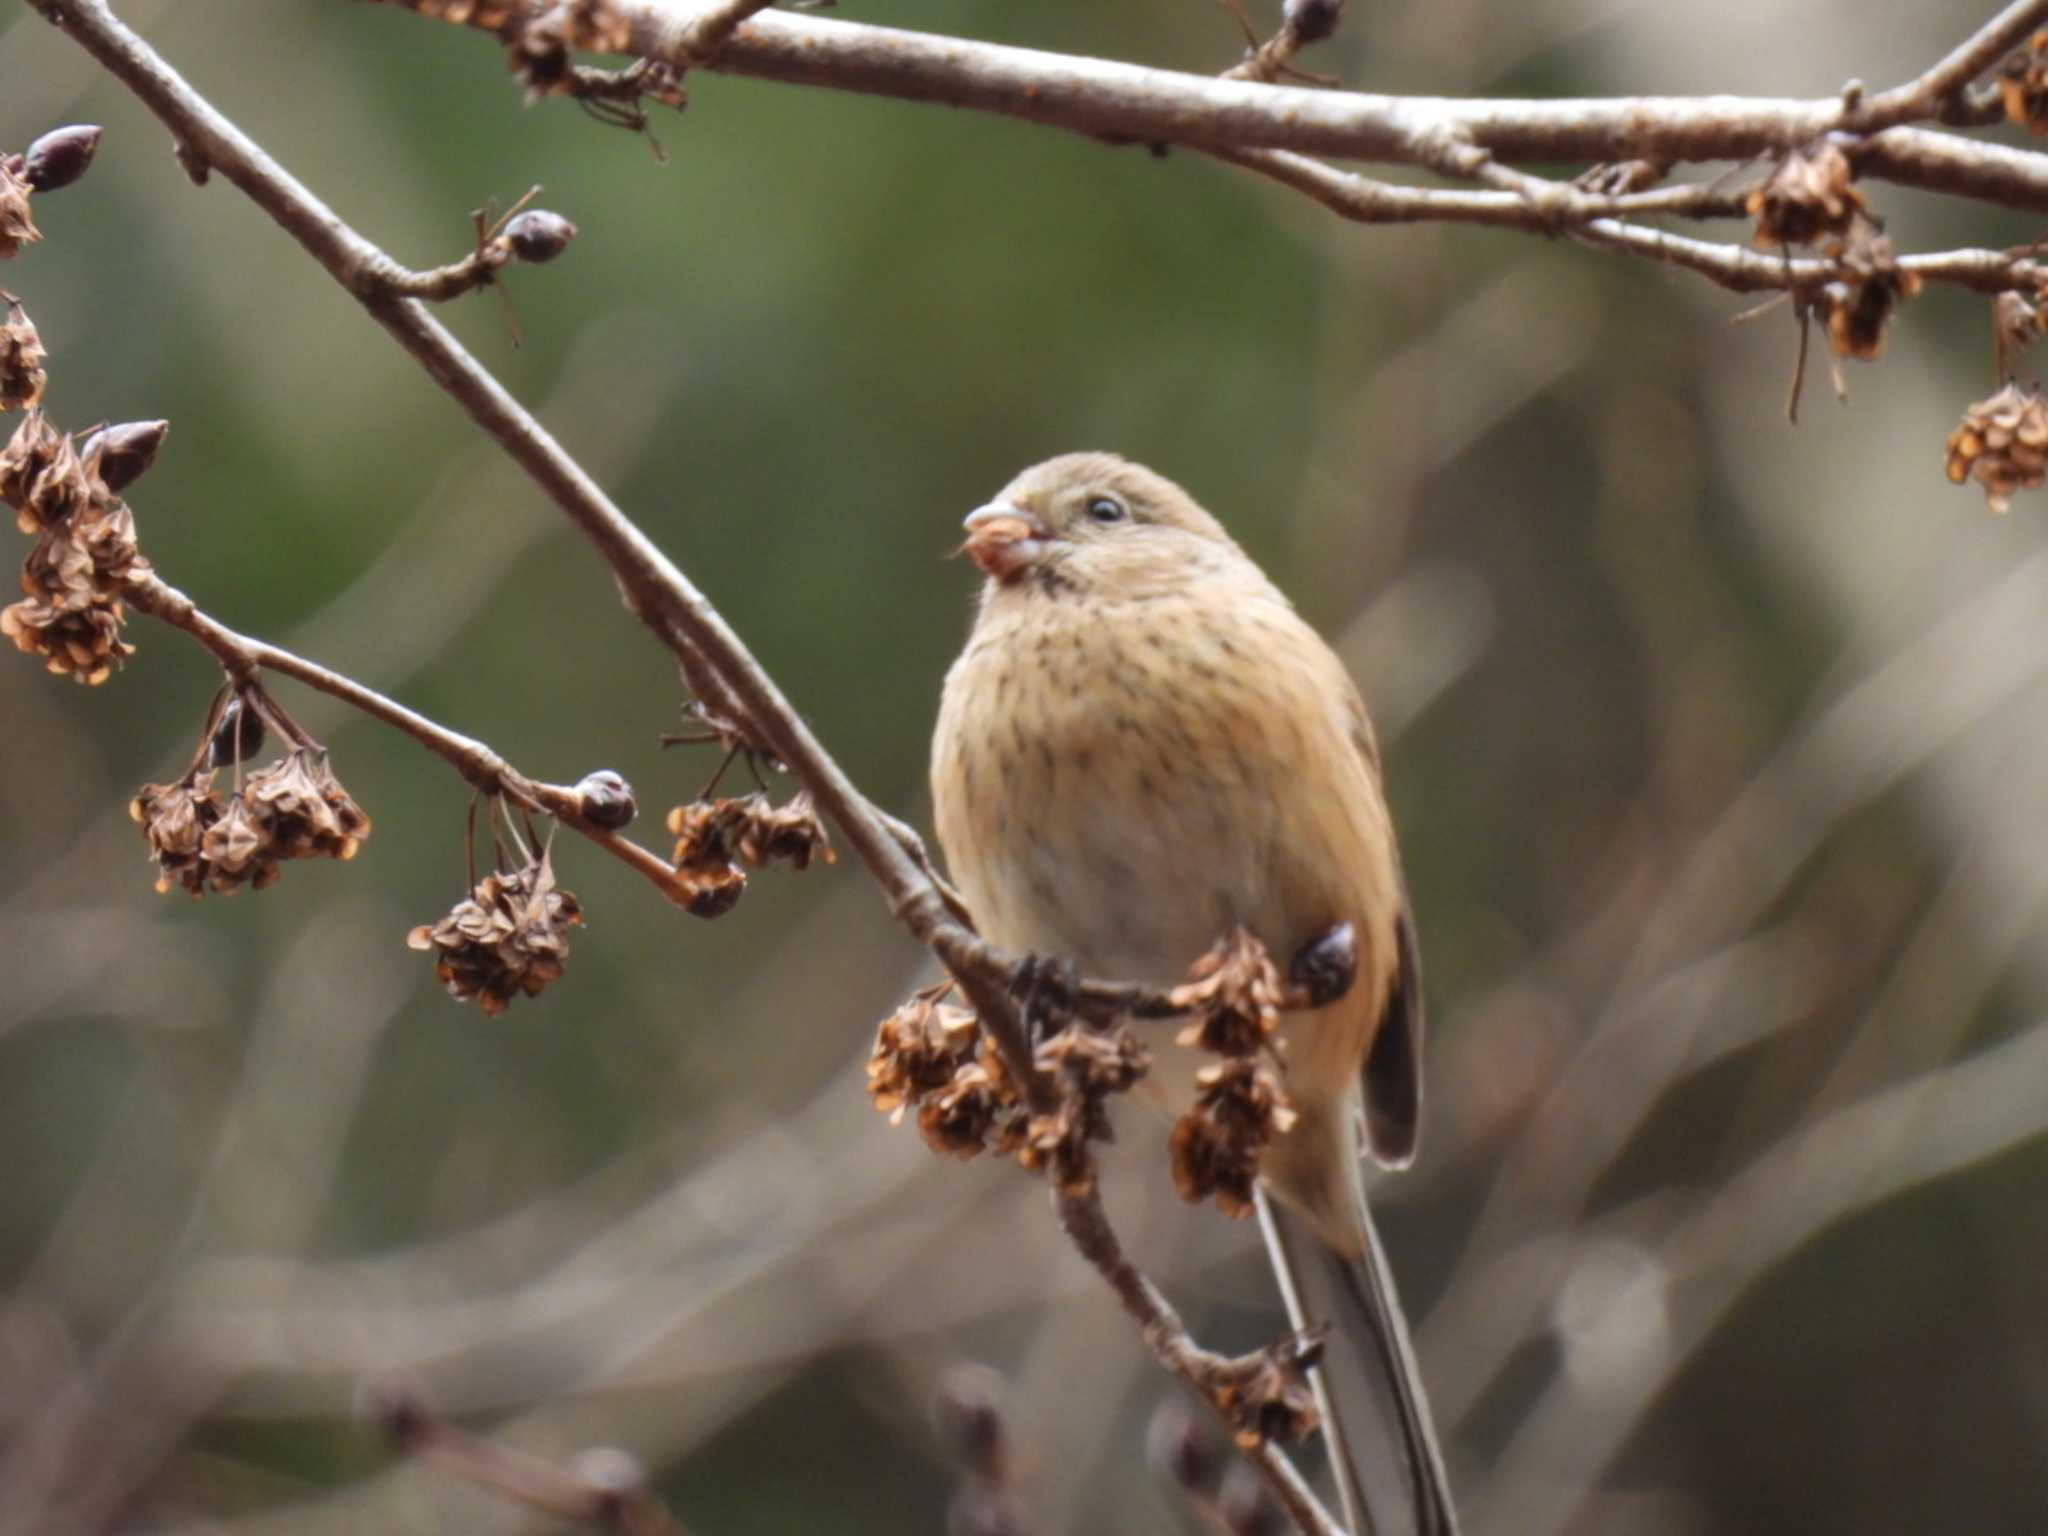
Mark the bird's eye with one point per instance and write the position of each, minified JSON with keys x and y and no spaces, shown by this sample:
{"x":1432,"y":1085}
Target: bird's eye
{"x":1107,"y":509}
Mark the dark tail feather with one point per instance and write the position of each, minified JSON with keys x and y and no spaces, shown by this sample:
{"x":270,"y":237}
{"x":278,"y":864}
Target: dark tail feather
{"x":1376,"y":1421}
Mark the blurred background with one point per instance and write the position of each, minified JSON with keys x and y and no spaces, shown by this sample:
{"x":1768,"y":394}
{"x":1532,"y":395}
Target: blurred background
{"x":1717,"y":748}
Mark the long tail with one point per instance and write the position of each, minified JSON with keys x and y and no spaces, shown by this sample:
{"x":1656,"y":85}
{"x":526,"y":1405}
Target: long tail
{"x":1376,"y":1424}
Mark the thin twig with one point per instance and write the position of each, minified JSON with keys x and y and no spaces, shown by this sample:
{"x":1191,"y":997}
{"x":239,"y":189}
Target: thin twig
{"x":244,"y":658}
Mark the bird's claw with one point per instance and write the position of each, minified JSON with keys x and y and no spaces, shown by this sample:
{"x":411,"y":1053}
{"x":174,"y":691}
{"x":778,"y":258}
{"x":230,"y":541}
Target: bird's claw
{"x":1046,"y":988}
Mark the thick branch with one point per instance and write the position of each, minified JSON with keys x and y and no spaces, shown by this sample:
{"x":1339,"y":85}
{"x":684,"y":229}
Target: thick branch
{"x":1136,"y":104}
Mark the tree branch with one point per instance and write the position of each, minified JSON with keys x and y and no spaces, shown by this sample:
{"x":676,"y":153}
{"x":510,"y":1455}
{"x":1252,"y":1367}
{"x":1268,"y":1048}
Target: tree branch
{"x":657,"y":593}
{"x":243,"y":658}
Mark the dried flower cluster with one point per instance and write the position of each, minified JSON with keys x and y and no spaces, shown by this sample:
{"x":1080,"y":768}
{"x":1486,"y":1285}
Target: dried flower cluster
{"x":21,"y":359}
{"x":715,"y":837}
{"x":1236,"y":994}
{"x":84,"y":554}
{"x":2023,"y":83}
{"x":541,"y":39}
{"x":1859,"y":303}
{"x":1266,"y":1395}
{"x":204,"y":840}
{"x":2002,"y":444}
{"x":932,"y":1056}
{"x":1809,"y":196}
{"x":506,"y":939}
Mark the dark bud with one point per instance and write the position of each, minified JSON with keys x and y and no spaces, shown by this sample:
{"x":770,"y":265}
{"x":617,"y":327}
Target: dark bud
{"x":607,"y":799}
{"x":1245,"y":1507}
{"x":399,"y":1412}
{"x":616,"y":1480}
{"x":1325,"y":967}
{"x":60,"y":157}
{"x":980,"y":1508}
{"x":121,"y":455}
{"x":1183,"y":1450}
{"x":237,"y":736}
{"x":537,"y":235}
{"x":1312,"y":20}
{"x":967,"y":1411}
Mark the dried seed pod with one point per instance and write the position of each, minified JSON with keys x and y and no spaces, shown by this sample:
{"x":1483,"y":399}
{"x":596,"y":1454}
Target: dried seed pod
{"x":120,"y":455}
{"x":607,"y":799}
{"x":302,"y":809}
{"x":506,"y":939}
{"x":21,"y":360}
{"x":58,"y":158}
{"x":174,"y":820}
{"x":1809,"y":195}
{"x":2002,"y":444}
{"x":82,"y":642}
{"x":41,"y":477}
{"x":1266,"y":1396}
{"x":791,"y":834}
{"x":917,"y":1050}
{"x":2023,"y":84}
{"x":1234,"y":991}
{"x":538,"y":235}
{"x":703,"y":856}
{"x":1240,"y":1106}
{"x":17,"y":226}
{"x":1858,"y":306}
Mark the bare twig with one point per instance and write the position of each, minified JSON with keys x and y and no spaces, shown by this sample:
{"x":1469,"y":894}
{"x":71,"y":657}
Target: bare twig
{"x":243,"y":658}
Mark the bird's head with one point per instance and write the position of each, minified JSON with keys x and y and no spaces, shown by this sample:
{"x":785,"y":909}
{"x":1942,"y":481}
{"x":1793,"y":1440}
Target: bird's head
{"x":1089,"y":518}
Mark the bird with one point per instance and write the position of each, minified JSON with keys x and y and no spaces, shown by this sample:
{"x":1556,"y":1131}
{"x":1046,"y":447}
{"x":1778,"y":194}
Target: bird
{"x":1141,"y":746}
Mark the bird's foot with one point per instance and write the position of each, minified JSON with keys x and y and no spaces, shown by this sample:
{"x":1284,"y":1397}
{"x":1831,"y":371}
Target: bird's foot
{"x":1046,"y":988}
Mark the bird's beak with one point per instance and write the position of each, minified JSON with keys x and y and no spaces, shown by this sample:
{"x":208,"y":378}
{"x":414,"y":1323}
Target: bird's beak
{"x":1005,"y":540}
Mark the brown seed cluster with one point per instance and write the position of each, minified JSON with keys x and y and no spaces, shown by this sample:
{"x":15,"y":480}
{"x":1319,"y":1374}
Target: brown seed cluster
{"x":204,"y":840}
{"x":2002,"y":444}
{"x":1807,"y":197}
{"x":1240,"y":1102}
{"x":506,"y":939}
{"x":17,"y":224}
{"x":21,"y":360}
{"x":1858,"y":304}
{"x":2023,"y":84}
{"x":932,"y":1056}
{"x":715,"y":837}
{"x":1266,"y":1395}
{"x":84,"y":554}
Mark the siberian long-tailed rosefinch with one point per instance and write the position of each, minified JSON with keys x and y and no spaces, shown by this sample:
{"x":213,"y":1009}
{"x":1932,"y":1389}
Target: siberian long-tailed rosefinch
{"x":1144,"y":746}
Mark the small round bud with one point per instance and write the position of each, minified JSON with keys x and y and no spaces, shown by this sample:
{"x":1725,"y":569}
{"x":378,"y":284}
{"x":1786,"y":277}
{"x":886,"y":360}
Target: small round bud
{"x":967,"y":1411}
{"x":398,"y":1410}
{"x":121,"y":455}
{"x":980,"y":1508}
{"x":1245,"y":1507}
{"x":607,"y":799}
{"x":1312,"y":21}
{"x":60,"y":157}
{"x":537,"y":235}
{"x":615,"y":1478}
{"x":1182,"y":1449}
{"x":237,"y":736}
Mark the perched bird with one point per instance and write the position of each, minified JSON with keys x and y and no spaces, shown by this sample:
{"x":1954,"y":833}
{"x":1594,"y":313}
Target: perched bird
{"x":1143,"y":746}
